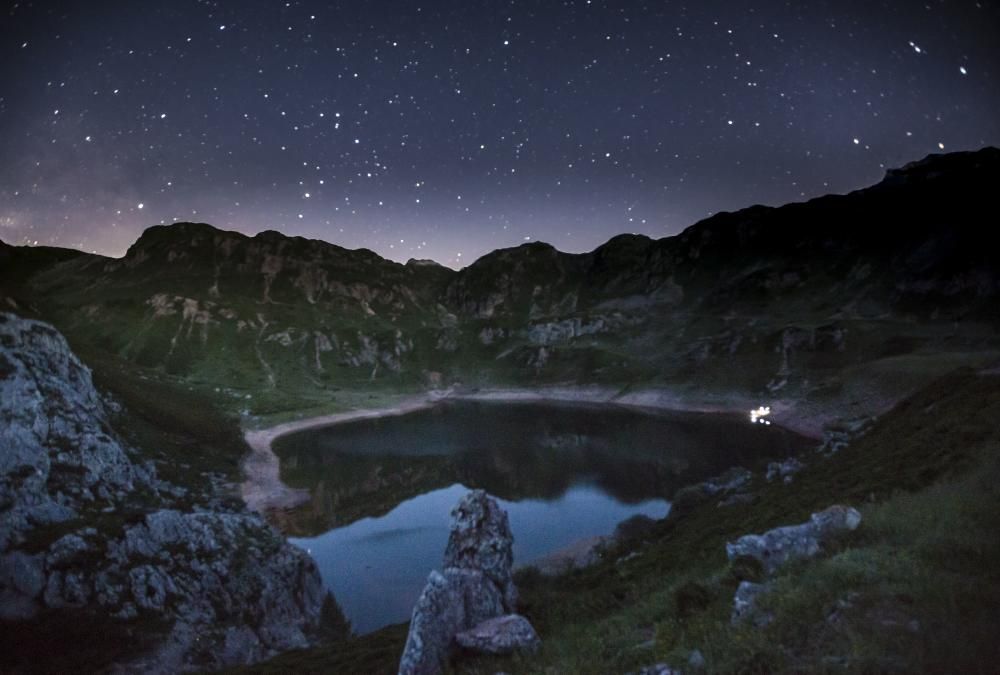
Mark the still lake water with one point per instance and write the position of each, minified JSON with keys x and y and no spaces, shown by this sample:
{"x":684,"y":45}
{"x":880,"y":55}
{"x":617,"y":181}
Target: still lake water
{"x":382,"y":489}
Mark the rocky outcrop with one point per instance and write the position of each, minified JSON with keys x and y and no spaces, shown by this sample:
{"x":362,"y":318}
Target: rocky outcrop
{"x":57,"y":452}
{"x":781,"y":545}
{"x":474,"y":596}
{"x":227,"y":588}
{"x":776,"y":547}
{"x":481,"y":540}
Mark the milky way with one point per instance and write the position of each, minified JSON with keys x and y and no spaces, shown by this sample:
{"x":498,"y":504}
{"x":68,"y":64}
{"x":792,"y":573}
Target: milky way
{"x":444,"y":130}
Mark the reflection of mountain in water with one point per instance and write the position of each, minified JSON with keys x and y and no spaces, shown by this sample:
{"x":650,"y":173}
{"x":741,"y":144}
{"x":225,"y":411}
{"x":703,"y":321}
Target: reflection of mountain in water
{"x":514,"y":451}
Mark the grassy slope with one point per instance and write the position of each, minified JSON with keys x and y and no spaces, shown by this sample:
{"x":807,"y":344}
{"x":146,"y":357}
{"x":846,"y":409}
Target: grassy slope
{"x":926,"y":479}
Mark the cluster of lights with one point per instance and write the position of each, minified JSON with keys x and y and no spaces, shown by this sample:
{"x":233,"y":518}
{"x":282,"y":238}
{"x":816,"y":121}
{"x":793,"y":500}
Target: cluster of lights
{"x":759,"y":415}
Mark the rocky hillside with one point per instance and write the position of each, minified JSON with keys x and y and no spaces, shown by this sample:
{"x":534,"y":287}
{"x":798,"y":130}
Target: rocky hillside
{"x":89,"y":533}
{"x":794,"y":302}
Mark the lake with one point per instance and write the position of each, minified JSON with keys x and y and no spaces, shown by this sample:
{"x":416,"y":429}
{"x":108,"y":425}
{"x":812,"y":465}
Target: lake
{"x":382,"y":488}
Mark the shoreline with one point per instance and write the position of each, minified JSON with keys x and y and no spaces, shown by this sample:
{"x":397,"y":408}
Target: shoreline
{"x":263,"y":490}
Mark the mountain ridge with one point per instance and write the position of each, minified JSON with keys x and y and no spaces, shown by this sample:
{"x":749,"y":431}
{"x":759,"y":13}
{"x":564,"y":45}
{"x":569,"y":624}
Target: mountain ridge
{"x":923,"y":169}
{"x":765,"y":301}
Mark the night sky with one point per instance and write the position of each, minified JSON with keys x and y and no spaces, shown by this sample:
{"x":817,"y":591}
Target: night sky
{"x":444,"y":130}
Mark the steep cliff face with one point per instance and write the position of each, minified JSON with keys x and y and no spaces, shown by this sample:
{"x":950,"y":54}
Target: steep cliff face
{"x":888,"y":270}
{"x":84,"y":526}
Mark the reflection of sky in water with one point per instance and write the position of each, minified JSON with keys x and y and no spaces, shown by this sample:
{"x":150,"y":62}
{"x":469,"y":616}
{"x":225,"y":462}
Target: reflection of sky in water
{"x":376,"y":567}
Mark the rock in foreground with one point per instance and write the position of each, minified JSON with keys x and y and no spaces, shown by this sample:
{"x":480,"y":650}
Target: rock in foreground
{"x":480,"y":539}
{"x":226,"y":588}
{"x":471,"y":596}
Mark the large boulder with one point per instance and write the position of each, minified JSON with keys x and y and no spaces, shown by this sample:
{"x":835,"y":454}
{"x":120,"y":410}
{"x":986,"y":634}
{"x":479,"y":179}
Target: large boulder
{"x":474,"y":589}
{"x":776,"y":547}
{"x":480,"y":539}
{"x":500,"y":635}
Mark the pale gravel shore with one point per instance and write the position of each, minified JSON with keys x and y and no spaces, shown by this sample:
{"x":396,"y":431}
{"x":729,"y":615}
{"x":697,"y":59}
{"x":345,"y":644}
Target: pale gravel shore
{"x":263,"y":490}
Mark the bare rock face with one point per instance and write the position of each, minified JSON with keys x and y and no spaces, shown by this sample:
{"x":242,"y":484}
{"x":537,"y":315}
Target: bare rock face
{"x":229,"y":588}
{"x":57,"y":453}
{"x":500,"y":635}
{"x":474,"y":589}
{"x":776,"y":547}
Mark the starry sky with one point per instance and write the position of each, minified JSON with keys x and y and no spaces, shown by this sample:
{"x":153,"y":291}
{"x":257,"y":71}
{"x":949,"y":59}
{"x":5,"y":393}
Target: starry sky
{"x":447,"y":129}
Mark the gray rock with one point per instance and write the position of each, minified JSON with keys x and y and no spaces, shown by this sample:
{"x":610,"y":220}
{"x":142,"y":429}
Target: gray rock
{"x":241,"y":646}
{"x":500,"y":635}
{"x":476,"y":585}
{"x":480,"y":539}
{"x":776,"y":547}
{"x":65,"y":549}
{"x":150,"y":586}
{"x":697,"y":660}
{"x":54,"y":435}
{"x":231,"y":588}
{"x":730,"y":481}
{"x":22,"y":573}
{"x":744,"y":604}
{"x":784,"y":470}
{"x":438,"y":615}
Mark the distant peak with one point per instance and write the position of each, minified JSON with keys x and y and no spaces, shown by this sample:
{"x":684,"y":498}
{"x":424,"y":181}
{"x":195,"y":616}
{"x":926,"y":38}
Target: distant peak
{"x":270,"y":235}
{"x":937,"y":163}
{"x":422,"y":262}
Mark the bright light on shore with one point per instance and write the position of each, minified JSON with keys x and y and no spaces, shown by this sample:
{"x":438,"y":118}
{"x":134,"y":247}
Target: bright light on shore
{"x":757,"y":416}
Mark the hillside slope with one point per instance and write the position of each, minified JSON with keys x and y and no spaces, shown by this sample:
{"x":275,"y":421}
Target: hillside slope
{"x":800,"y":303}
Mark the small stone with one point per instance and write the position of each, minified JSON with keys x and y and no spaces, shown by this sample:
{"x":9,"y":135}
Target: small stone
{"x":784,"y":470}
{"x":744,"y":604}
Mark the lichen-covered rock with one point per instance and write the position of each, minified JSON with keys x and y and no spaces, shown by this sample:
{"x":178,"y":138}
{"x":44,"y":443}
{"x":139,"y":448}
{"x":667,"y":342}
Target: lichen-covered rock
{"x":480,"y":539}
{"x":776,"y":547}
{"x":500,"y":635}
{"x":57,"y":451}
{"x":475,"y":586}
{"x":237,"y":590}
{"x":745,"y":607}
{"x":438,"y":615}
{"x":228,"y":587}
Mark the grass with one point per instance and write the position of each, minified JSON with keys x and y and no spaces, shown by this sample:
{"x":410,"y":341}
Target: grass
{"x":184,"y":431}
{"x":915,"y":589}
